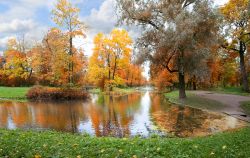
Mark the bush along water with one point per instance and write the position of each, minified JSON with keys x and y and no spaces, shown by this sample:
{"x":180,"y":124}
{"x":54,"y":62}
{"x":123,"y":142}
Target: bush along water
{"x":53,"y":93}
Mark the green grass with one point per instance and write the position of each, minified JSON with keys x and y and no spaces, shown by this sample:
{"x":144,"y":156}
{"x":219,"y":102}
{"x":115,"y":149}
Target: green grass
{"x":53,"y":144}
{"x":13,"y":93}
{"x":230,"y":90}
{"x":245,"y":106}
{"x":194,"y":101}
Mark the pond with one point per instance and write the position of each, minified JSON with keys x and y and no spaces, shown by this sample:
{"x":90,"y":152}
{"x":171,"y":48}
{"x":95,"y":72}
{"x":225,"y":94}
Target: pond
{"x":143,"y":114}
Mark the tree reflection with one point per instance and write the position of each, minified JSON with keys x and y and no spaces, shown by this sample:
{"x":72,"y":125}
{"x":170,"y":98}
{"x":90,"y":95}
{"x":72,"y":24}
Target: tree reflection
{"x":110,"y":116}
{"x":113,"y":116}
{"x":184,"y":121}
{"x":107,"y":115}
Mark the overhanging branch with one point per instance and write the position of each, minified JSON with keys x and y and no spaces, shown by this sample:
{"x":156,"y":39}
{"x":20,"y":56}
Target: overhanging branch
{"x":230,"y":48}
{"x":167,"y":64}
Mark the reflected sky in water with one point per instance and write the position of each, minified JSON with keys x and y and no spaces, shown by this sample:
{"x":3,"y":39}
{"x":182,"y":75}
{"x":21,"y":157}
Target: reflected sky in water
{"x":103,"y":115}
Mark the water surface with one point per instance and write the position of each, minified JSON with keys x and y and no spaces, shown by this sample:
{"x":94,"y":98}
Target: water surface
{"x":103,"y":115}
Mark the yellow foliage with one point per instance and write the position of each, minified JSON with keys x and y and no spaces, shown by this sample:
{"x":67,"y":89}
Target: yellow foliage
{"x":67,"y":16}
{"x":110,"y":61}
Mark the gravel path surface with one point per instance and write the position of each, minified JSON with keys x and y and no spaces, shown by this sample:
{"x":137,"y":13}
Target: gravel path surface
{"x":231,"y":102}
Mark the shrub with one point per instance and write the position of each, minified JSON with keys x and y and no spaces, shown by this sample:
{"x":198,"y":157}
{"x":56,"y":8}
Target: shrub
{"x":52,"y":93}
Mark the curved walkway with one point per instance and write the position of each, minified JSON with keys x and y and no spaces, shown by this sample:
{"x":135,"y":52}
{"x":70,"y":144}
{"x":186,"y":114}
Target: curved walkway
{"x":231,"y":102}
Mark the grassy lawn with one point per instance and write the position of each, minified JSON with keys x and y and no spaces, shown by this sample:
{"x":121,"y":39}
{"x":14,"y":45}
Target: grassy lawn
{"x":230,"y":90}
{"x":246,"y":106}
{"x":13,"y":93}
{"x":194,"y":101}
{"x":52,"y":144}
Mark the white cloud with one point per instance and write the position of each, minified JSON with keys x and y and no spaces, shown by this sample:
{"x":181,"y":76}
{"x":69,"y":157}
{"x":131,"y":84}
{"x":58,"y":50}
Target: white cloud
{"x":220,"y":2}
{"x":23,"y":9}
{"x":32,"y":31}
{"x":102,"y":20}
{"x":17,"y":25}
{"x":20,"y":19}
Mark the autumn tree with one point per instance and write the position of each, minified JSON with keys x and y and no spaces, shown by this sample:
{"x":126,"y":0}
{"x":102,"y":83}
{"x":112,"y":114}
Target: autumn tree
{"x":111,"y":56}
{"x":49,"y":60}
{"x":162,"y":78}
{"x":177,"y":32}
{"x":56,"y":44}
{"x":237,"y":25}
{"x":67,"y":17}
{"x":40,"y":61}
{"x":15,"y":68}
{"x":133,"y":75}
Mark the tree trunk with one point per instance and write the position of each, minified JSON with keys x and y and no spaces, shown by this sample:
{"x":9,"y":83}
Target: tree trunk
{"x":194,"y":86}
{"x":243,"y":69}
{"x":182,"y":93}
{"x":113,"y":76}
{"x":109,"y":73}
{"x":30,"y":75}
{"x":131,"y":81}
{"x":194,"y":82}
{"x":189,"y":84}
{"x":71,"y":64}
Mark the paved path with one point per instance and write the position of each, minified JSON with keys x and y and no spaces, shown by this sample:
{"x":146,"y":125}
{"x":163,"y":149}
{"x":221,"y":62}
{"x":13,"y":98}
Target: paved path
{"x":231,"y":102}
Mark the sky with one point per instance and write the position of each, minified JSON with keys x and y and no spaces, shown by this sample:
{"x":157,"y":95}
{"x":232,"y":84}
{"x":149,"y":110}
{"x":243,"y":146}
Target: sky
{"x":32,"y":19}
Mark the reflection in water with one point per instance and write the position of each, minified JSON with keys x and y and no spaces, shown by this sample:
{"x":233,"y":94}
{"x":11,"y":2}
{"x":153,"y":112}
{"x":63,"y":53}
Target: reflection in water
{"x":183,"y":121}
{"x":105,"y":115}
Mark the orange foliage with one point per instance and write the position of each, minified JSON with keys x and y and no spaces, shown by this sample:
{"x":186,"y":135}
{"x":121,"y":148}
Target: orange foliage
{"x":15,"y":70}
{"x":50,"y":93}
{"x":161,"y":78}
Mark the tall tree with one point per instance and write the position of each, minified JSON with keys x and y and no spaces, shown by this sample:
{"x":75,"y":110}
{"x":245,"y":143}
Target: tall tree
{"x":178,"y":32}
{"x":111,"y":56}
{"x":56,"y":44}
{"x":49,"y":60}
{"x":237,"y":25}
{"x":67,"y":17}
